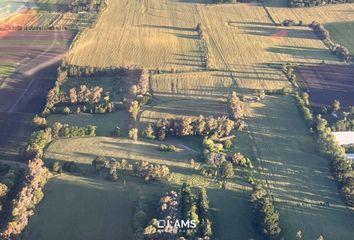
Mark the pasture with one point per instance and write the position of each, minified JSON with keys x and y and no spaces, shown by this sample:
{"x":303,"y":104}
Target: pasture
{"x":298,"y":179}
{"x":84,"y":150}
{"x":342,"y":33}
{"x":326,"y":83}
{"x":84,"y":208}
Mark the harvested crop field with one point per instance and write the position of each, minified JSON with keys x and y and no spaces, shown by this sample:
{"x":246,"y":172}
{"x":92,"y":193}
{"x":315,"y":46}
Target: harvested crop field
{"x":325,"y":83}
{"x":36,"y":55}
{"x":242,"y":41}
{"x":147,"y":33}
{"x":280,"y":11}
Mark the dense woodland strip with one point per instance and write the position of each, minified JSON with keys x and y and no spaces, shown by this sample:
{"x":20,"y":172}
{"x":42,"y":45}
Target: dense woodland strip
{"x":313,"y":3}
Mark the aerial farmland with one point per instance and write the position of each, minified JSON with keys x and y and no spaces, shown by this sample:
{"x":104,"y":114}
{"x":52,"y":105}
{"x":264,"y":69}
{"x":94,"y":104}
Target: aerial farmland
{"x":213,"y":117}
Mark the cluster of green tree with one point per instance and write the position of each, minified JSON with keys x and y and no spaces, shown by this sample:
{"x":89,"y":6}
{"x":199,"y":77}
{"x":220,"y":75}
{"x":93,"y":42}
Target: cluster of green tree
{"x":203,"y":45}
{"x":205,"y":226}
{"x":187,"y":126}
{"x":289,"y":70}
{"x":68,"y":131}
{"x":341,"y":167}
{"x":168,"y":148}
{"x":168,"y":210}
{"x":38,"y":141}
{"x":313,"y":3}
{"x":266,"y":217}
{"x":10,"y":176}
{"x":150,"y":172}
{"x":291,"y":22}
{"x":189,"y":209}
{"x":349,"y":148}
{"x":87,"y":5}
{"x":142,"y":86}
{"x":235,"y":107}
{"x":109,"y":168}
{"x":138,"y":86}
{"x":338,"y":50}
{"x":241,"y":160}
{"x":186,"y":206}
{"x":344,"y":119}
{"x":54,"y":96}
{"x":41,"y":138}
{"x":341,"y":51}
{"x":29,"y":196}
{"x":39,"y":122}
{"x":303,"y":105}
{"x":320,"y":30}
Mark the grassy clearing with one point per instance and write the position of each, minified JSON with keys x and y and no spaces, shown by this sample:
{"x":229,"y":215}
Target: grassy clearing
{"x":105,"y":123}
{"x":342,"y":33}
{"x":299,"y":180}
{"x":174,"y":107}
{"x":82,"y":208}
{"x":84,"y":150}
{"x":232,"y":214}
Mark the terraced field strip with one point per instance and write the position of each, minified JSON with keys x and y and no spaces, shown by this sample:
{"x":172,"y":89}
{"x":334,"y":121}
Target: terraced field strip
{"x":297,"y":178}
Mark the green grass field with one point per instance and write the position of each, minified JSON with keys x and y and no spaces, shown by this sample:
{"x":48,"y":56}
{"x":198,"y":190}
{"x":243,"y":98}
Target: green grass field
{"x":342,"y":33}
{"x":83,"y":208}
{"x":300,"y":181}
{"x":105,"y":122}
{"x":6,"y":70}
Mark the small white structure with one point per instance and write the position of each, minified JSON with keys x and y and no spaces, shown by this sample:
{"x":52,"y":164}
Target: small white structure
{"x":344,"y":138}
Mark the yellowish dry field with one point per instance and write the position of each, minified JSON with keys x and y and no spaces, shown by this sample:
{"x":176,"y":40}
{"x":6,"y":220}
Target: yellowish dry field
{"x":323,"y":14}
{"x":243,"y":41}
{"x":149,"y":33}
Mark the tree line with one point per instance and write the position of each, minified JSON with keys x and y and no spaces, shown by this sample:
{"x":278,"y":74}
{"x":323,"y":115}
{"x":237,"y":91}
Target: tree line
{"x":341,"y":167}
{"x":10,"y":180}
{"x":266,"y":217}
{"x":182,"y":205}
{"x":336,"y":49}
{"x":29,"y":196}
{"x":137,"y":87}
{"x":313,"y":3}
{"x":186,"y":126}
{"x":41,"y":138}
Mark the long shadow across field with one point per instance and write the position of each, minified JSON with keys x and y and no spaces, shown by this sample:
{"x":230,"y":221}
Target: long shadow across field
{"x":298,"y":179}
